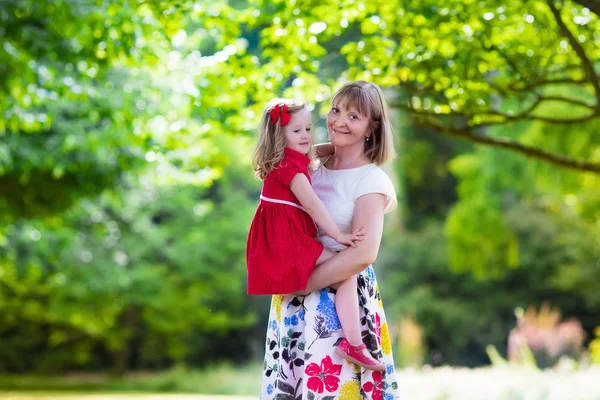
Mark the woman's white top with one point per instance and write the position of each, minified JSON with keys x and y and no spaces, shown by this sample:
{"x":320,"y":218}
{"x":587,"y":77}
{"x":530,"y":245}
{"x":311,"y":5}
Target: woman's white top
{"x":339,"y":189}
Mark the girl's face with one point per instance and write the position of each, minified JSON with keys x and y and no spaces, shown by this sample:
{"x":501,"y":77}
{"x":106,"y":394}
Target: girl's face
{"x":346,"y":126}
{"x":298,"y":132}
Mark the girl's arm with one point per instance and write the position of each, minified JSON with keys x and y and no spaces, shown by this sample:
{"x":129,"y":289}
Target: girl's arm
{"x":305,"y":194}
{"x":324,"y":149}
{"x":368,"y":213}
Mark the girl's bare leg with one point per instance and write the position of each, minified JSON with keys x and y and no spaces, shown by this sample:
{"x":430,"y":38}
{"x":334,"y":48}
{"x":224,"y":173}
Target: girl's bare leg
{"x":347,"y":308}
{"x":325,"y":255}
{"x":346,"y":305}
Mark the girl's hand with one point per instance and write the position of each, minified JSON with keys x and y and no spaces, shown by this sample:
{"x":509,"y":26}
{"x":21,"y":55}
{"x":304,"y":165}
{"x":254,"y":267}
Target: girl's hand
{"x":349,"y":239}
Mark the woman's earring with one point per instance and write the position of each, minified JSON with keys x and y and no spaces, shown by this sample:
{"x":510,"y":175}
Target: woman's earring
{"x":368,"y":138}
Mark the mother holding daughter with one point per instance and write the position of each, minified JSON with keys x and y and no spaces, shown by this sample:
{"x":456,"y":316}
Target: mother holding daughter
{"x":307,"y":354}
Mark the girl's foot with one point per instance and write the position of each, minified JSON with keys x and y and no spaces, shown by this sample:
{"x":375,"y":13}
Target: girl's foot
{"x":357,"y":355}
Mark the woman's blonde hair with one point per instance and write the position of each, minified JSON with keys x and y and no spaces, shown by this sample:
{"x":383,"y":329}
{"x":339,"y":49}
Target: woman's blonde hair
{"x":271,"y":138}
{"x":368,"y":99}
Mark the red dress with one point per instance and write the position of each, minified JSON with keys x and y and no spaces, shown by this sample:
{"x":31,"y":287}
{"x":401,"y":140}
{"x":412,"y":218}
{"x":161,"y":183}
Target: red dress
{"x":281,"y":251}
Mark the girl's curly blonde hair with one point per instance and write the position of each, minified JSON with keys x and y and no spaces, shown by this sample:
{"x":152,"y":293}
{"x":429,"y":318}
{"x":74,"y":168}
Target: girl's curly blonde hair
{"x":271,"y":138}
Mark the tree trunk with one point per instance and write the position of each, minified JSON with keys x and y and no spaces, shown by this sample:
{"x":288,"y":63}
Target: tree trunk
{"x":129,"y":321}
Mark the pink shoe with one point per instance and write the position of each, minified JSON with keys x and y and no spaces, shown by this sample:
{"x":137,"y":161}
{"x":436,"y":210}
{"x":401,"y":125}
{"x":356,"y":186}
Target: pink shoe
{"x":355,"y":355}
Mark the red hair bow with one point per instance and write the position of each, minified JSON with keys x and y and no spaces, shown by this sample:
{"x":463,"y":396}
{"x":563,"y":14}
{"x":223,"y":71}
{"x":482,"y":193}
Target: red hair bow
{"x":280,"y":110}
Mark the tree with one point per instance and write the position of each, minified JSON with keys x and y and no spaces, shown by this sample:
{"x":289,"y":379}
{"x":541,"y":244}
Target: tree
{"x":144,"y":276}
{"x":73,"y":99}
{"x":460,"y":67}
{"x":97,"y":96}
{"x":462,"y":312}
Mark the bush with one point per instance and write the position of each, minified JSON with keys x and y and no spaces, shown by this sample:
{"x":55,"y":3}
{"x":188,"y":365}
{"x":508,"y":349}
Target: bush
{"x":548,"y":339}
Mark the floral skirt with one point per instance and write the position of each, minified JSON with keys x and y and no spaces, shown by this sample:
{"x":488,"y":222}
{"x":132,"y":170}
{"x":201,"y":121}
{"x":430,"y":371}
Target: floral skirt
{"x":300,"y":360}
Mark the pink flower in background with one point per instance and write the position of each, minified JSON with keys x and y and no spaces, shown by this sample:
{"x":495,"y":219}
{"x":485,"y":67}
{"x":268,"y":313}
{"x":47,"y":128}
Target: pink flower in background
{"x":546,"y":337}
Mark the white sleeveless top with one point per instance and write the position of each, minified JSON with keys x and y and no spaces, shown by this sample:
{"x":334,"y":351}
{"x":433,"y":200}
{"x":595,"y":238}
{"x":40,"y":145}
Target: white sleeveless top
{"x":339,"y":189}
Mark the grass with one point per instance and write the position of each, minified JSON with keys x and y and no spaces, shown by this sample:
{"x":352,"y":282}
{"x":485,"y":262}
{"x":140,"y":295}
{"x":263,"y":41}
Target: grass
{"x":564,"y":382}
{"x":84,"y":396}
{"x":218,"y":380}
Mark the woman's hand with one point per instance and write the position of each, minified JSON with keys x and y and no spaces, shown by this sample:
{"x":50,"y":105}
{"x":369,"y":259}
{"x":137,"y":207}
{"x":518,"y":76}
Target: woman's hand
{"x":324,"y":149}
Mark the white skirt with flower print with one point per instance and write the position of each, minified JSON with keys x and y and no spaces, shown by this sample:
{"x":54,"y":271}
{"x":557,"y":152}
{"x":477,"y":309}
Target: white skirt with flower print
{"x":300,"y":358}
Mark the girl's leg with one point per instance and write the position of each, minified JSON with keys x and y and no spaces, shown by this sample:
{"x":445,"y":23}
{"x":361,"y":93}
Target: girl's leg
{"x":325,"y":255}
{"x":346,"y":304}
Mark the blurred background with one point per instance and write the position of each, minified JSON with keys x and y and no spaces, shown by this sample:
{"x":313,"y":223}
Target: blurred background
{"x":126,"y":188}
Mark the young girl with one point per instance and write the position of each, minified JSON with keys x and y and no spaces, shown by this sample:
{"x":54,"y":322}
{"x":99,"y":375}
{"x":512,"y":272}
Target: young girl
{"x":282,"y":251}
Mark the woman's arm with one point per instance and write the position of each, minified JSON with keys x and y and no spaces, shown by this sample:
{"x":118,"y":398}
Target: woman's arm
{"x":368,"y":213}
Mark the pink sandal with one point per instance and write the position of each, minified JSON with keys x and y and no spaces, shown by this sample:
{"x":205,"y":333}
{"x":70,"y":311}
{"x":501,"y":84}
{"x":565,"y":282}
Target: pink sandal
{"x":355,"y":355}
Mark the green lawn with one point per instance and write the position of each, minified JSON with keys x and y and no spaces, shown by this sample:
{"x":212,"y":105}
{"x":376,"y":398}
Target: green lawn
{"x":568,"y":381}
{"x":72,"y":396}
{"x":217,"y":380}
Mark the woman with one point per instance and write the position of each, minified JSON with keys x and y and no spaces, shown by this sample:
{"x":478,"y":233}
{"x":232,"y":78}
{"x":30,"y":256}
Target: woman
{"x":303,"y":332}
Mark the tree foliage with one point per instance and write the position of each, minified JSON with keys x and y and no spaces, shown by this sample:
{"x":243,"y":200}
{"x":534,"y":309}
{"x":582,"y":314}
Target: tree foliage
{"x":461,"y":66}
{"x":125,"y":139}
{"x":146,"y":275}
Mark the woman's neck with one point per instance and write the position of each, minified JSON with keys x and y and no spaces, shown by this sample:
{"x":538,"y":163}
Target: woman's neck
{"x":348,"y":157}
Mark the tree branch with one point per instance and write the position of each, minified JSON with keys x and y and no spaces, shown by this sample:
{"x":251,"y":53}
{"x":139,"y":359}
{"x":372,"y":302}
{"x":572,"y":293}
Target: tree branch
{"x":592,"y":5}
{"x":581,"y":103}
{"x":523,"y":116}
{"x":557,"y":69}
{"x":467,"y":132}
{"x":516,"y":118}
{"x":528,"y":151}
{"x":533,"y":85}
{"x":508,"y":59}
{"x":587,"y":65}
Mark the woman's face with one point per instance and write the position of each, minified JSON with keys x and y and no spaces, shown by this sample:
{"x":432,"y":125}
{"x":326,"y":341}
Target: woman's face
{"x":346,"y":126}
